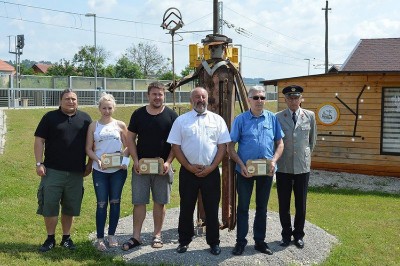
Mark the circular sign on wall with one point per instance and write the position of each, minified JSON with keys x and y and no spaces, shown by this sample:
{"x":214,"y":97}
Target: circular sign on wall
{"x":328,"y":114}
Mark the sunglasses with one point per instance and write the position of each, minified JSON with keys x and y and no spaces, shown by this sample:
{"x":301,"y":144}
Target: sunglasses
{"x":258,"y":97}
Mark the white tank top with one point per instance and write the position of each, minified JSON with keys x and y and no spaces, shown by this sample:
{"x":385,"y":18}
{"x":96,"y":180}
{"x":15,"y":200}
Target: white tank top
{"x":107,"y":139}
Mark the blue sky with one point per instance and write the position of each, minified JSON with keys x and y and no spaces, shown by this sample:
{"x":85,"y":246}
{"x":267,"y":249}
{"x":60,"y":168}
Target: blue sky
{"x":275,"y":35}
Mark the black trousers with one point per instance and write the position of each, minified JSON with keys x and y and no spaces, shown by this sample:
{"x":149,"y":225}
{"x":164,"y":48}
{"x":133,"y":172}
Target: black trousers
{"x":189,"y":187}
{"x":299,"y":184}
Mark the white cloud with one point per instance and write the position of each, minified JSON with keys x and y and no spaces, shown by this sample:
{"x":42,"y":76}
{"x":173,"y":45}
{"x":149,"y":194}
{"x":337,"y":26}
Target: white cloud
{"x":102,"y":6}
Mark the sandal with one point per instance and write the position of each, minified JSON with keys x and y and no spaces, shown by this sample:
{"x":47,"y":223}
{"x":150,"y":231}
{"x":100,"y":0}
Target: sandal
{"x":157,"y":242}
{"x":112,"y":241}
{"x":131,"y":243}
{"x":101,"y":246}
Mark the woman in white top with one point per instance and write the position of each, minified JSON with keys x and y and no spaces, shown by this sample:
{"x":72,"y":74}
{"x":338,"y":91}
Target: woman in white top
{"x":105,"y":136}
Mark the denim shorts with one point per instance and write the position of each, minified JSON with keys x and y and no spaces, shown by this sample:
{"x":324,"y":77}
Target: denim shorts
{"x":60,"y":187}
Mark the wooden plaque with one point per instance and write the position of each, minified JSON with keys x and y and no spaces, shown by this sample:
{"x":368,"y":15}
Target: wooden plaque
{"x":151,"y":166}
{"x":111,"y":160}
{"x":258,"y":167}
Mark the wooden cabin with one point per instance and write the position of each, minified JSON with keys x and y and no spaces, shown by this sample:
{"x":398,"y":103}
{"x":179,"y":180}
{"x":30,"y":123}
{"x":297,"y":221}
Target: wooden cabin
{"x":357,"y":110}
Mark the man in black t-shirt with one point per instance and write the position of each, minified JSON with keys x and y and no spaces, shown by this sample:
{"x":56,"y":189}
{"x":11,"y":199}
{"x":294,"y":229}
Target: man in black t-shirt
{"x":147,"y":138}
{"x":61,"y":138}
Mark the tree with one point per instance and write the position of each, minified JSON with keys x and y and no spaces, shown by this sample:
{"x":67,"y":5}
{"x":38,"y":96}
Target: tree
{"x":186,"y":71}
{"x":63,"y":68}
{"x":148,"y":58}
{"x":127,"y":69}
{"x":86,"y":61}
{"x":108,"y":72}
{"x":168,"y":76}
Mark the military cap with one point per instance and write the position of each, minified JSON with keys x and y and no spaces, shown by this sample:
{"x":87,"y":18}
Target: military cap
{"x":292,"y":90}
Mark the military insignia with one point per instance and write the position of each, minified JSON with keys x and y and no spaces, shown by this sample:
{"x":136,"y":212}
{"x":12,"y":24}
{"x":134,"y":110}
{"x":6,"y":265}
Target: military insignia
{"x":293,"y":89}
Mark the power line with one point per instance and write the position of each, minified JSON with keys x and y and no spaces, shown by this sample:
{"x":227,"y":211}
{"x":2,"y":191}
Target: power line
{"x":79,"y":14}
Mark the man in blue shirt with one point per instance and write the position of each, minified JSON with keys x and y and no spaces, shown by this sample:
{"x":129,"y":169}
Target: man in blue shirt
{"x":259,"y":136}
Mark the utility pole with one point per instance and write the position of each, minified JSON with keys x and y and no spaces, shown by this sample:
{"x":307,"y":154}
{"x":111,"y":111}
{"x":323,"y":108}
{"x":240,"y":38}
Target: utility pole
{"x":326,"y":35}
{"x":308,"y":59}
{"x":220,"y":18}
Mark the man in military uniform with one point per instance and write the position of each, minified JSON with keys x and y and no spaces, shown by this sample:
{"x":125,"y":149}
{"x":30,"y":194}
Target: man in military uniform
{"x":293,"y":173}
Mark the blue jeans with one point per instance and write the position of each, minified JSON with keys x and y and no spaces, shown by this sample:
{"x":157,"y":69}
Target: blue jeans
{"x":244,"y":188}
{"x":108,"y":188}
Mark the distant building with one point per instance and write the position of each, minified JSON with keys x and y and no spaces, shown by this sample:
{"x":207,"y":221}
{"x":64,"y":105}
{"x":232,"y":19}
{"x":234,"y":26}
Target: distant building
{"x":40,"y":68}
{"x":6,"y":68}
{"x":357,"y":108}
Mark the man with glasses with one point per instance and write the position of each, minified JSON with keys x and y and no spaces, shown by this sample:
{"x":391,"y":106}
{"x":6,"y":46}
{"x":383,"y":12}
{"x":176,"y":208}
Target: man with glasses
{"x":293,"y":173}
{"x":259,"y":136}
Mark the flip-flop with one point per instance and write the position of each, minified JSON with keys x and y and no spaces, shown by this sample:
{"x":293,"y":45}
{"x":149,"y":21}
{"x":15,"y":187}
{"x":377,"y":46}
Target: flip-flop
{"x":157,"y":242}
{"x":131,"y":243}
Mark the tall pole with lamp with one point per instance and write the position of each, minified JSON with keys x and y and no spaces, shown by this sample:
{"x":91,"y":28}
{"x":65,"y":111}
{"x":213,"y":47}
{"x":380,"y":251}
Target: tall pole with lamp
{"x":95,"y":54}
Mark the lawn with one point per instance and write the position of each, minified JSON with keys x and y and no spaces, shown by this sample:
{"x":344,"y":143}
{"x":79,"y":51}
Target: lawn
{"x":366,"y":224}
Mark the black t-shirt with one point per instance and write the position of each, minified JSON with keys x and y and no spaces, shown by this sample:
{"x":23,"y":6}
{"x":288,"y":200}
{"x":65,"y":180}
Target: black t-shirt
{"x":65,"y":140}
{"x":152,"y":132}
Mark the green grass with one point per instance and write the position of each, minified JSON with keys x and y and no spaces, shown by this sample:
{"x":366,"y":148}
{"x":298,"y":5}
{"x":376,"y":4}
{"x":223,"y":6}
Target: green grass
{"x":366,"y":224}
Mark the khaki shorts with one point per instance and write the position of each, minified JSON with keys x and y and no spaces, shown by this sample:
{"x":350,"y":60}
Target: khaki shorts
{"x":60,"y":187}
{"x":160,"y":186}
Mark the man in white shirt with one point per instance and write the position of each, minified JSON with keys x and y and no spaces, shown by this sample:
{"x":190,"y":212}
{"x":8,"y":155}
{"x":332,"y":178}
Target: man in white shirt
{"x":199,"y":138}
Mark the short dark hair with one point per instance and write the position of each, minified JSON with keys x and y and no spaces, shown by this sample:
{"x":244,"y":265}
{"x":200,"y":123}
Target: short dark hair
{"x":64,"y":92}
{"x":155,"y":85}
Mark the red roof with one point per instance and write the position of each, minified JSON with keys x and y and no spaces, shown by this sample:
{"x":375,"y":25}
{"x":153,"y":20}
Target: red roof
{"x":40,"y":68}
{"x":374,"y":55}
{"x":6,"y":67}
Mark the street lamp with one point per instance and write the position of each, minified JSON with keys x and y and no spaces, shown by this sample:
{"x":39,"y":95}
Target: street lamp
{"x":95,"y":51}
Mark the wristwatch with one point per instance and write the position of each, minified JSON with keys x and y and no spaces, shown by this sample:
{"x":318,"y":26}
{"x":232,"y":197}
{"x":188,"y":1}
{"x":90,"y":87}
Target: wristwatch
{"x":38,"y":164}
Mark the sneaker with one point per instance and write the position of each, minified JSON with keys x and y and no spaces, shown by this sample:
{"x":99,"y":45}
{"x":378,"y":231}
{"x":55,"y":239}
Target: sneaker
{"x":68,"y":244}
{"x":47,"y":245}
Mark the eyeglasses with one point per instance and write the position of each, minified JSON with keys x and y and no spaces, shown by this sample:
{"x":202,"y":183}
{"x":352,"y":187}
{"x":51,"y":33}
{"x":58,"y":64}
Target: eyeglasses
{"x":258,"y":97}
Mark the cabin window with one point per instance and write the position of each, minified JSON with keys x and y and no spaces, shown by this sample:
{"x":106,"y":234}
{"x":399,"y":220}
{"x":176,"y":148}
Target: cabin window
{"x":390,"y":133}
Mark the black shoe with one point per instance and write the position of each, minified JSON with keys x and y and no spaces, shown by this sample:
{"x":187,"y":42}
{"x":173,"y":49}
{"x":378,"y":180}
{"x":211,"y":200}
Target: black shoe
{"x":182,"y":248}
{"x":238,"y":249}
{"x":67,"y":243}
{"x":263,"y":248}
{"x":299,"y":243}
{"x":285,"y":243}
{"x":215,"y":249}
{"x":47,"y":245}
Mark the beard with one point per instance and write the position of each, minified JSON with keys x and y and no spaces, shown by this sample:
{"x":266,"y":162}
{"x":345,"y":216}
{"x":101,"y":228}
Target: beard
{"x":200,"y":107}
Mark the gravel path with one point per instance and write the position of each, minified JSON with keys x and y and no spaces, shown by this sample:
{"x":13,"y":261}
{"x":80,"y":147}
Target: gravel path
{"x":317,"y":247}
{"x":318,"y":243}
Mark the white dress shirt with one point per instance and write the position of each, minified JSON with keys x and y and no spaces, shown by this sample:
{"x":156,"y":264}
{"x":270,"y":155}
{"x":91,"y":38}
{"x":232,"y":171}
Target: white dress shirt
{"x":199,"y":135}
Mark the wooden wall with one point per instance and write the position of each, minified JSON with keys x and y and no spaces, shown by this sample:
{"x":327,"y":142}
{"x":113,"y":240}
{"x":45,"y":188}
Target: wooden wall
{"x":347,"y":154}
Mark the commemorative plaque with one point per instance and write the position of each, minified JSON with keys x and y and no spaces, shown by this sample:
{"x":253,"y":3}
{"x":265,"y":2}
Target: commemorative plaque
{"x":110,"y":160}
{"x":151,"y":166}
{"x":258,"y":167}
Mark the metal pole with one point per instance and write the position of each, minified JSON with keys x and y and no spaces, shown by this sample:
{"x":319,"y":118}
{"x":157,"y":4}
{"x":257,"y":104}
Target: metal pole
{"x":308,"y":73}
{"x":326,"y":36}
{"x":95,"y":54}
{"x":173,"y":67}
{"x":215,"y":17}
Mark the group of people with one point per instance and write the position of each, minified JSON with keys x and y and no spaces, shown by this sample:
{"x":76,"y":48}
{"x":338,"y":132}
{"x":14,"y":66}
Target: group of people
{"x":199,"y":140}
